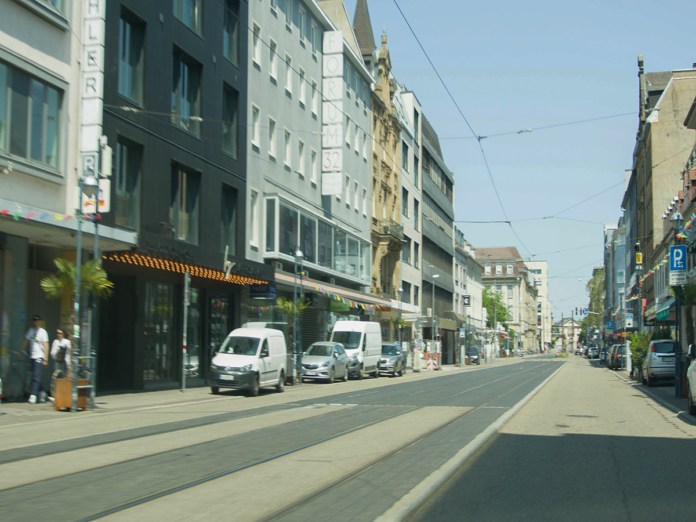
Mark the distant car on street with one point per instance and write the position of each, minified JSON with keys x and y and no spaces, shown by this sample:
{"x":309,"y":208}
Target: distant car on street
{"x":603,"y":353}
{"x":392,"y":361}
{"x":578,"y":351}
{"x":474,"y":355}
{"x":325,"y":361}
{"x":593,"y":353}
{"x":616,"y":357}
{"x":659,"y":361}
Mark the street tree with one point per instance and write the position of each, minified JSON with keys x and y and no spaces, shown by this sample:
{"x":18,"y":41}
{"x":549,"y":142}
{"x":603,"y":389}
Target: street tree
{"x":493,"y":303}
{"x":595,"y":289}
{"x":288,"y":307}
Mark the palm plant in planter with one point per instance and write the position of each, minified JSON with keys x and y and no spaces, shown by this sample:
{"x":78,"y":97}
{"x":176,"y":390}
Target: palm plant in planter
{"x":93,"y":283}
{"x":288,"y":307}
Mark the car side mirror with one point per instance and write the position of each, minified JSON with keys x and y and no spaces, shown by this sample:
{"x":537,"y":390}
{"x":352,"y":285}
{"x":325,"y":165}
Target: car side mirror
{"x":264,"y":354}
{"x":335,"y":355}
{"x":398,"y":352}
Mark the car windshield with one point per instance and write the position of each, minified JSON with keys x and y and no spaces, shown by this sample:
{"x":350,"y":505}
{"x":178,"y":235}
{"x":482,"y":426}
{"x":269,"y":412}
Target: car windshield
{"x":319,"y":350}
{"x":240,"y":345}
{"x":349,"y":340}
{"x":389,"y":349}
{"x":667,"y":347}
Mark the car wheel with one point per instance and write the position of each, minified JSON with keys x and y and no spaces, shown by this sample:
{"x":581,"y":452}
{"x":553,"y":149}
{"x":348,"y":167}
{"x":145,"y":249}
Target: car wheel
{"x":215,"y":390}
{"x":651,"y":382}
{"x":330,"y":380}
{"x":345,"y":375}
{"x":401,"y":371}
{"x":280,"y":387}
{"x":692,"y":408}
{"x":254,"y":390}
{"x":360,"y":373}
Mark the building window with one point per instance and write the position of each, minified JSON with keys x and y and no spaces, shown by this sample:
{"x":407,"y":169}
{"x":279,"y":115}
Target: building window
{"x":270,"y":225}
{"x":274,"y":5}
{"x":29,"y":116}
{"x":315,"y":98}
{"x":404,"y":156}
{"x":253,"y":217}
{"x":404,"y":201}
{"x":184,"y":204}
{"x":272,"y":151}
{"x":346,"y":190}
{"x":288,"y":14}
{"x":348,"y":131}
{"x":256,"y":45}
{"x":416,"y":166}
{"x":300,"y":158}
{"x":364,"y":151}
{"x":230,"y":34}
{"x":406,"y":250}
{"x":415,"y":295}
{"x":287,"y":158}
{"x":186,"y":106}
{"x":498,"y":269}
{"x":416,"y":125}
{"x":509,"y":292}
{"x":130,"y":58}
{"x":364,"y":202}
{"x":314,"y":36}
{"x":406,"y":294}
{"x":356,"y":195}
{"x":302,"y":87}
{"x":357,"y":139}
{"x":510,"y":269}
{"x":127,"y":184}
{"x":229,"y":122}
{"x":272,"y":60}
{"x":488,"y":270}
{"x":313,"y":166}
{"x":228,"y":225}
{"x":301,"y":23}
{"x":189,"y":12}
{"x":416,"y":213}
{"x":288,"y":73}
{"x":416,"y":254}
{"x":255,"y":131}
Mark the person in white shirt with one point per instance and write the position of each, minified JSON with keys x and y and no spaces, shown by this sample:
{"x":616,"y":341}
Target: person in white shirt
{"x":37,"y":338}
{"x":60,"y":351}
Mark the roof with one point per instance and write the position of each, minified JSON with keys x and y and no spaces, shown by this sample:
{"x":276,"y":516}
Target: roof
{"x":690,"y":121}
{"x":655,"y":84}
{"x":430,"y":134}
{"x":498,"y":254}
{"x":362,"y":27}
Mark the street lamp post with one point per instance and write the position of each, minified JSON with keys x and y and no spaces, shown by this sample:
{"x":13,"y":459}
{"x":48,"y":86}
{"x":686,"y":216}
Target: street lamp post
{"x":677,"y":218}
{"x":295,"y":330}
{"x":401,"y":292}
{"x":88,"y":186}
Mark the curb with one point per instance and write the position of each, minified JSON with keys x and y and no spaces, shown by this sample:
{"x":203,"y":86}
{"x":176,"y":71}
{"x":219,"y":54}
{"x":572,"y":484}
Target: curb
{"x":414,"y":499}
{"x":682,"y":414}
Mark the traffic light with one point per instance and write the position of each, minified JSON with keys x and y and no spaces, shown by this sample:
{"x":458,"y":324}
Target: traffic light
{"x":639,"y":254}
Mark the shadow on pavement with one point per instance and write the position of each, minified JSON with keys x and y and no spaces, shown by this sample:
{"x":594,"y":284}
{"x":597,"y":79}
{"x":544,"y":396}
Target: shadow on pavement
{"x":571,"y":478}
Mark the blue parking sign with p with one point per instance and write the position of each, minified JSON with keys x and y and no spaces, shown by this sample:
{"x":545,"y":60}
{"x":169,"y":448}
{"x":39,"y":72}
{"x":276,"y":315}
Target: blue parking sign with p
{"x":677,"y":258}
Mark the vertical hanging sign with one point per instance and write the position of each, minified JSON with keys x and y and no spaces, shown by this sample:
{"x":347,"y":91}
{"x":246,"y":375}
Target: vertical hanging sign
{"x":332,"y":114}
{"x":92,"y":87}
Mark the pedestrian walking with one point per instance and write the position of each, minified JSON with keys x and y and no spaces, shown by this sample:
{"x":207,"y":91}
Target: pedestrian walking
{"x":60,"y":352}
{"x":37,"y":339}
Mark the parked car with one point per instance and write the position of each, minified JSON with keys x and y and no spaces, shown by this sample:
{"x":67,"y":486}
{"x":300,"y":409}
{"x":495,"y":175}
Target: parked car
{"x":691,"y":378}
{"x":593,"y":353}
{"x":325,"y":361}
{"x":603,"y":355}
{"x":659,"y":361}
{"x":362,"y":341}
{"x":248,"y":359}
{"x":392,"y":361}
{"x":474,"y":357}
{"x":617,"y":357}
{"x":578,"y":351}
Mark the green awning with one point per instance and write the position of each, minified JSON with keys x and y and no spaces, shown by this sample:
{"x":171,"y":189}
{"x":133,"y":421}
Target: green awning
{"x":663,"y":311}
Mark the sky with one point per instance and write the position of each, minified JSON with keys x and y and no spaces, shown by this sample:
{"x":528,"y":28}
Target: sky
{"x":514,"y":65}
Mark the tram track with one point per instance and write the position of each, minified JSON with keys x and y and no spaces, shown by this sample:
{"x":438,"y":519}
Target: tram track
{"x":540,"y":368}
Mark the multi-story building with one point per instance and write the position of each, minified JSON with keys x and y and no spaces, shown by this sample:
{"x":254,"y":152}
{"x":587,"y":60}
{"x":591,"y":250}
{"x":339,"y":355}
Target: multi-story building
{"x":540,"y":269}
{"x":507,"y":274}
{"x":615,"y":275}
{"x":468,"y":292}
{"x":50,"y":94}
{"x":175,"y":93}
{"x":309,"y":151}
{"x":438,"y":243}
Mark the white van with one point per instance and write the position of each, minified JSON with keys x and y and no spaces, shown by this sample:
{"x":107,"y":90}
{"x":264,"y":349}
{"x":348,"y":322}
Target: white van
{"x":248,"y":359}
{"x":362,"y":342}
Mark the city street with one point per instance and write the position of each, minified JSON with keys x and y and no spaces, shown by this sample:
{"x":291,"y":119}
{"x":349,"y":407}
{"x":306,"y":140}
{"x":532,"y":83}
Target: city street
{"x":322,"y":452}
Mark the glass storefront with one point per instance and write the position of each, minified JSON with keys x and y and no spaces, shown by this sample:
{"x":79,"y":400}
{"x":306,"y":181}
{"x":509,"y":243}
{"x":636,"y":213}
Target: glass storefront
{"x":159,"y":333}
{"x":321,"y":243}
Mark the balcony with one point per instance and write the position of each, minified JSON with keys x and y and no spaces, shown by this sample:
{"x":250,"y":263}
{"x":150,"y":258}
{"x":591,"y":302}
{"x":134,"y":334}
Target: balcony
{"x":389,"y":227}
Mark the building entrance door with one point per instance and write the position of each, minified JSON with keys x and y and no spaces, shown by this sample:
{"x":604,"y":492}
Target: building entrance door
{"x":159,"y":355}
{"x":219,"y":321}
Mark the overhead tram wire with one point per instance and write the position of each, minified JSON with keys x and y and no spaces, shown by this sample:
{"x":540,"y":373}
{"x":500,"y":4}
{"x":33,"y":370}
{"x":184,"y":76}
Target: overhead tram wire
{"x":461,"y":113}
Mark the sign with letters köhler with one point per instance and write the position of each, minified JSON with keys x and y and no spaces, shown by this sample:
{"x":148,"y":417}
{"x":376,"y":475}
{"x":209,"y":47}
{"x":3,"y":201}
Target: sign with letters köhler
{"x":677,"y":265}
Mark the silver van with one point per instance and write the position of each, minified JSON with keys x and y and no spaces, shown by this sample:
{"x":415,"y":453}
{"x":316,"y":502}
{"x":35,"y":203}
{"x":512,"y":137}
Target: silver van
{"x":248,"y":359}
{"x":659,"y":361}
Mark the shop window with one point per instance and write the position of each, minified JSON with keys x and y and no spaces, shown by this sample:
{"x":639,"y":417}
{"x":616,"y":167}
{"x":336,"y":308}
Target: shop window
{"x":230,"y":34}
{"x":126,"y":180}
{"x":353,"y":257}
{"x":158,"y":357}
{"x":228,"y":225}
{"x":130,"y":57}
{"x":29,"y":115}
{"x":186,"y":106}
{"x":366,"y":260}
{"x":184,"y":204}
{"x":325,"y":243}
{"x":308,"y":233}
{"x":340,"y":251}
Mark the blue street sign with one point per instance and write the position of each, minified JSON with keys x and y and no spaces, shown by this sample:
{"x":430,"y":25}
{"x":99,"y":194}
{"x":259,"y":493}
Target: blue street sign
{"x":610,"y":325}
{"x":677,"y":258}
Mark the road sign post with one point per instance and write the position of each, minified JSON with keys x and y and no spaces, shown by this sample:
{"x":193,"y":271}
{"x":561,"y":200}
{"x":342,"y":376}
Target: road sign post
{"x":677,"y":277}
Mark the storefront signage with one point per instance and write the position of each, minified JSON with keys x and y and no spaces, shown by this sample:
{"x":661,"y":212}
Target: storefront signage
{"x":263,"y":291}
{"x":172,"y":252}
{"x":332,"y":114}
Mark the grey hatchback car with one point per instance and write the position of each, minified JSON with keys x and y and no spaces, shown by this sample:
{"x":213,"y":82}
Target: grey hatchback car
{"x":659,"y":361}
{"x":325,"y":362}
{"x":392,"y":361}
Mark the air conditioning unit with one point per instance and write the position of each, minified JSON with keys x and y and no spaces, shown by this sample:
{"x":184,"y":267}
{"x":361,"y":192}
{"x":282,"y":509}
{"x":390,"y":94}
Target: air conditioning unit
{"x":279,"y":266}
{"x":332,"y":281}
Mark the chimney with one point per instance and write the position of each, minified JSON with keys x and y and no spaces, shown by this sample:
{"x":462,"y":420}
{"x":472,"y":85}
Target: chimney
{"x":640,"y":64}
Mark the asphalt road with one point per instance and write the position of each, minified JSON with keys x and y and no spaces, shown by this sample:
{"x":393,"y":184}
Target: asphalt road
{"x":590,"y":446}
{"x":348,"y":455}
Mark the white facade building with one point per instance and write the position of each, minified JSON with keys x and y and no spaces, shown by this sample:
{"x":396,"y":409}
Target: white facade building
{"x":540,"y":269}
